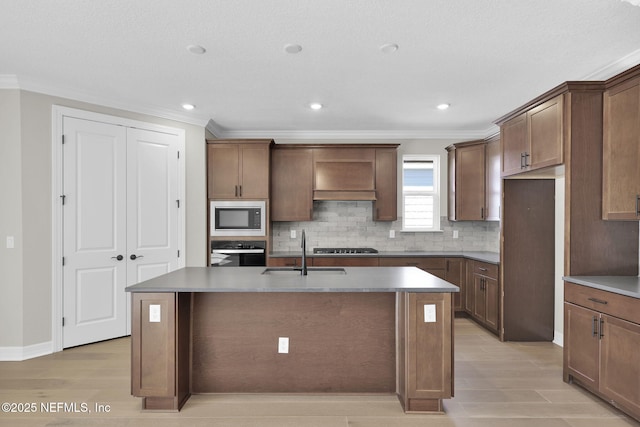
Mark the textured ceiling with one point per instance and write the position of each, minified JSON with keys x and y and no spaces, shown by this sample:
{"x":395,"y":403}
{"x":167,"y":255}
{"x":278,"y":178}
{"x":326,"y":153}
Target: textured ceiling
{"x":484,"y":57}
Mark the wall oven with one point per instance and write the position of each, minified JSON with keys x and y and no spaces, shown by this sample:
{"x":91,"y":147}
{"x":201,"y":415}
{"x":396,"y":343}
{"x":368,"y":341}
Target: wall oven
{"x":238,"y":253}
{"x":237,"y":218}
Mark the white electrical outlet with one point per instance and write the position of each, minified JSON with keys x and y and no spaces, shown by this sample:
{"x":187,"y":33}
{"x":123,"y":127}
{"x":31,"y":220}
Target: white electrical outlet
{"x":429,"y":313}
{"x":293,"y":234}
{"x":455,"y":234}
{"x":154,"y":313}
{"x":392,"y":234}
{"x":10,"y":242}
{"x":283,"y":345}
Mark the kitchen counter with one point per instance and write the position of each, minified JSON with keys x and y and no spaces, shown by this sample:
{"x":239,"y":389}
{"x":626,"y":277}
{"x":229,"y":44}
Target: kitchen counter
{"x":623,"y":285}
{"x":489,"y":257}
{"x":250,"y":279}
{"x":387,"y":330}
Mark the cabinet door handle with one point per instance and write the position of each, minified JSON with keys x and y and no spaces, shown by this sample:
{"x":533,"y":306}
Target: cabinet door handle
{"x":526,"y":156}
{"x":481,"y":213}
{"x":482,"y":269}
{"x":236,"y":191}
{"x":601,"y":328}
{"x":240,"y":187}
{"x":599,"y":301}
{"x":594,"y":330}
{"x":637,"y":205}
{"x":521,"y":160}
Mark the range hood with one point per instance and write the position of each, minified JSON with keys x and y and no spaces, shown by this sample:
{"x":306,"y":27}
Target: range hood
{"x":345,"y":195}
{"x":344,"y":180}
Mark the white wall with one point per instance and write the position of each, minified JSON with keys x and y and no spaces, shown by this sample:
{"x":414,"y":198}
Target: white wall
{"x":11,"y":260}
{"x":25,"y":120}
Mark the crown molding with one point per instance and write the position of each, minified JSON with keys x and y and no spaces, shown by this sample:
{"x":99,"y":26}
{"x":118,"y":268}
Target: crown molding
{"x":354,"y":134}
{"x":616,"y":67}
{"x":33,"y":86}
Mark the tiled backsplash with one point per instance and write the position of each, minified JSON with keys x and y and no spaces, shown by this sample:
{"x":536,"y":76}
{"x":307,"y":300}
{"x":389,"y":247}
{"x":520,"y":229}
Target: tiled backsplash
{"x":350,"y":224}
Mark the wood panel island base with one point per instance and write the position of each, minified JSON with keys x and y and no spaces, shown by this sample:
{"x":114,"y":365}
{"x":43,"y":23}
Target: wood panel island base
{"x":239,"y":330}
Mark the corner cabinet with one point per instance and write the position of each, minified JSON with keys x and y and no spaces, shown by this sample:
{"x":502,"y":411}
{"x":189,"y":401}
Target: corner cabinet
{"x":534,"y":139}
{"x":621,"y":154}
{"x":467,"y":178}
{"x":493,"y":184}
{"x":601,"y":342}
{"x":238,"y":169}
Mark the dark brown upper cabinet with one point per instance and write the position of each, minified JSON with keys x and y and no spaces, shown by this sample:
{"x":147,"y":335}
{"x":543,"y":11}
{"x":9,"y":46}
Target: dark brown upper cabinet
{"x":533,"y":140}
{"x":466,"y":162}
{"x":238,"y":169}
{"x":621,"y":153}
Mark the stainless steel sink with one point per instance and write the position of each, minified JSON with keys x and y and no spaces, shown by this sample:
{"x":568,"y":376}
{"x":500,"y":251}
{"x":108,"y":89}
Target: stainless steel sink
{"x":310,"y":270}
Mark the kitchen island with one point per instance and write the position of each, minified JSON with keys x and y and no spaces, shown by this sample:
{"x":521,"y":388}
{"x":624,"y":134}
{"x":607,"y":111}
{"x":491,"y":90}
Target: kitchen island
{"x":271,"y":330}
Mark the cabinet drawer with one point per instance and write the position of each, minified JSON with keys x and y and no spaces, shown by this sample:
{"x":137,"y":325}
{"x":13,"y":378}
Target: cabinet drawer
{"x":345,"y":262}
{"x":485,"y":269}
{"x":425,"y":263}
{"x":621,"y":306}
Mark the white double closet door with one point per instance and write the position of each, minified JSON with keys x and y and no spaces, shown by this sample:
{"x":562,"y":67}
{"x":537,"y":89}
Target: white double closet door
{"x":120,"y":222}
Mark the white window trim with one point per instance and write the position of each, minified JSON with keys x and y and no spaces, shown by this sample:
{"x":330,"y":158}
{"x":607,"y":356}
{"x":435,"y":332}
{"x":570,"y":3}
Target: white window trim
{"x":437,"y":192}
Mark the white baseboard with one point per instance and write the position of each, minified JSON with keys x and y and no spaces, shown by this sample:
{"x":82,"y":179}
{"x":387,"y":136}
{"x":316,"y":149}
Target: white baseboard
{"x":558,"y":338}
{"x":17,"y":354}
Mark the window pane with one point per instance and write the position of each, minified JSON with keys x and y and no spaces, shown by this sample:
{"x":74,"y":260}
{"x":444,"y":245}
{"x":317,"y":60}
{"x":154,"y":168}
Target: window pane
{"x":418,"y":211}
{"x":418,"y":176}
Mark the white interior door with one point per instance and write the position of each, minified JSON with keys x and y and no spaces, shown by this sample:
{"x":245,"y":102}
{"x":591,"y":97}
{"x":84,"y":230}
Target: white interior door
{"x":120,"y":222}
{"x":94,"y":231}
{"x":152,"y":204}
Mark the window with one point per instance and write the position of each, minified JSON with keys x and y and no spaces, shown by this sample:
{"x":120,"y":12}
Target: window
{"x":420,"y":193}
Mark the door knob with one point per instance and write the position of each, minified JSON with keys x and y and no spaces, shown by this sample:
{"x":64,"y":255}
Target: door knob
{"x":119,"y":257}
{"x":134,"y":256}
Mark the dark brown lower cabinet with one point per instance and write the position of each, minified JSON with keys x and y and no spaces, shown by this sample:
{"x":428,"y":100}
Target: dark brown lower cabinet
{"x":345,"y":262}
{"x":455,"y":273}
{"x":483,"y":302}
{"x":341,"y":342}
{"x":601,"y":348}
{"x":160,"y":340}
{"x":423,"y":381}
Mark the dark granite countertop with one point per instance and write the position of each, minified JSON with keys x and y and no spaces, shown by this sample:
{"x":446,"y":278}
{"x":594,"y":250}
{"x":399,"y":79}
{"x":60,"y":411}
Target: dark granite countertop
{"x":490,"y":257}
{"x":251,"y":279}
{"x":623,"y":285}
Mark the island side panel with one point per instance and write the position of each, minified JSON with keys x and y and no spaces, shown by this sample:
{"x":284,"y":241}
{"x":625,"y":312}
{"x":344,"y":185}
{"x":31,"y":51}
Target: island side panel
{"x":338,"y":342}
{"x":160,"y":349}
{"x":427,"y":346}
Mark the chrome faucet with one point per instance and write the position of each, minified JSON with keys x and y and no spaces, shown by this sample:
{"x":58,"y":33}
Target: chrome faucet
{"x":303,"y":269}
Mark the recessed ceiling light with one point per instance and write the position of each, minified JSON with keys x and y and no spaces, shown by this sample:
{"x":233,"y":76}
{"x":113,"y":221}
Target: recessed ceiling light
{"x":196,"y":49}
{"x":188,"y":107}
{"x":389,"y":47}
{"x":443,"y":106}
{"x":316,"y":106}
{"x":292,"y":48}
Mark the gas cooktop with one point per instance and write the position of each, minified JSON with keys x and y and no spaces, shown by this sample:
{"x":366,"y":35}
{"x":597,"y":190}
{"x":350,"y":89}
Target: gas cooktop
{"x":344,"y":251}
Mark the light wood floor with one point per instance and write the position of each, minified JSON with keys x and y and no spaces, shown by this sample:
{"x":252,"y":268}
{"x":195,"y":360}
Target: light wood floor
{"x":497,"y":385}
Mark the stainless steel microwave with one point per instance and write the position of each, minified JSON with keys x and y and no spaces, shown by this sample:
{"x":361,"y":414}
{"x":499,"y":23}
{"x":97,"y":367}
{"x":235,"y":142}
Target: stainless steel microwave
{"x":237,"y":218}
